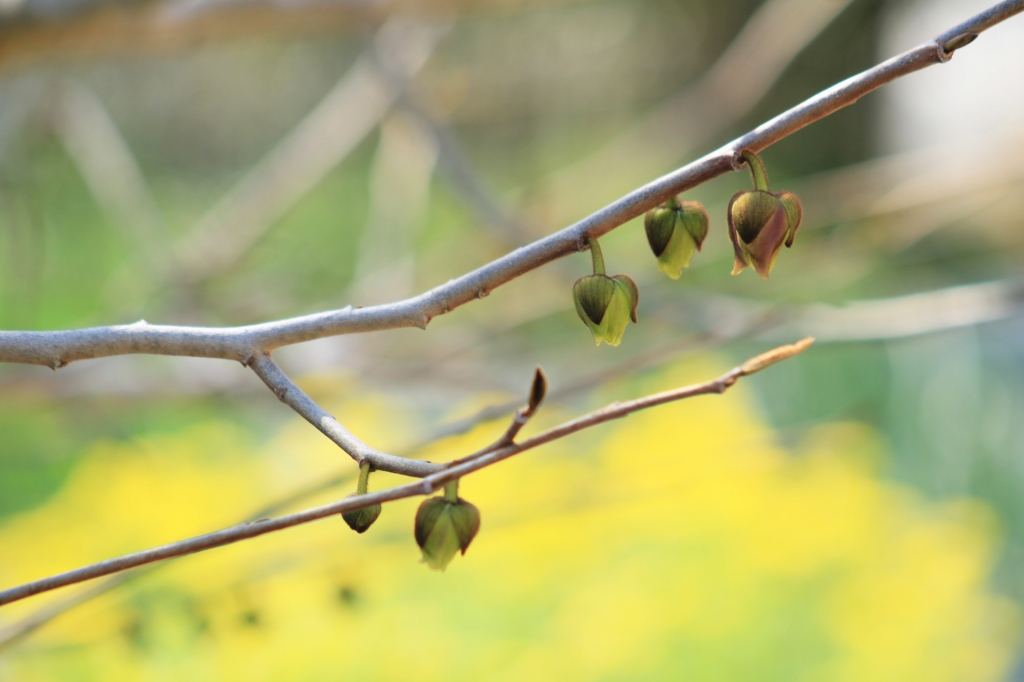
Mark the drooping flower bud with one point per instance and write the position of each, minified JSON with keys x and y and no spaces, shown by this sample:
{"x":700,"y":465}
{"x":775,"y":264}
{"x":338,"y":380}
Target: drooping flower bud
{"x":444,"y":526}
{"x":761,"y":221}
{"x":605,"y":304}
{"x":674,"y":232}
{"x":360,"y":520}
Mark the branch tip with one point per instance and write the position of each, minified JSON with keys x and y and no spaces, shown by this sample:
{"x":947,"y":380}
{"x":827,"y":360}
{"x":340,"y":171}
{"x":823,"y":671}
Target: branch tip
{"x":765,"y":360}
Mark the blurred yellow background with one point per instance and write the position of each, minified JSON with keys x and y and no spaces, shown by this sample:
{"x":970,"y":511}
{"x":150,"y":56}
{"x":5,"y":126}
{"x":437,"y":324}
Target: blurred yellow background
{"x":678,"y":543}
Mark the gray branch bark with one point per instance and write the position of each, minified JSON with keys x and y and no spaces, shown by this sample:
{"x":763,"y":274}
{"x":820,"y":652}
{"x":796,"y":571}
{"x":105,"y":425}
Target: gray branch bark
{"x":58,"y":348}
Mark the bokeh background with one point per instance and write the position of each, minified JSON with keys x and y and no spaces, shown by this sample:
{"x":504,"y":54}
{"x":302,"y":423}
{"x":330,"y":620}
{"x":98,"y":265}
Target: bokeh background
{"x":852,"y":514}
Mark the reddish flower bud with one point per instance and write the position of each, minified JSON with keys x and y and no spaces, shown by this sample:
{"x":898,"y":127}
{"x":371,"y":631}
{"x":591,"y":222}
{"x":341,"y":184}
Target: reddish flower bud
{"x":761,"y":221}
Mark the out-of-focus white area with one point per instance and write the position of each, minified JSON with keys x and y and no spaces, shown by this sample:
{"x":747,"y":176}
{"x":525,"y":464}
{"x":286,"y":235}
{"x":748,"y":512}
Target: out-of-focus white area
{"x":979,"y":92}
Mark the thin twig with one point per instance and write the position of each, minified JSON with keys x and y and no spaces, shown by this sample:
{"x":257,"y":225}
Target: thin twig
{"x":294,"y":397}
{"x":58,"y":348}
{"x":425,"y":486}
{"x":522,"y":416}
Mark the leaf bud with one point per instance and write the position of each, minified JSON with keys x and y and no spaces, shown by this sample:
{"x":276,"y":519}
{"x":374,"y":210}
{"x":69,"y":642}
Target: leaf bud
{"x":538,"y":390}
{"x":674,"y":231}
{"x":444,"y":526}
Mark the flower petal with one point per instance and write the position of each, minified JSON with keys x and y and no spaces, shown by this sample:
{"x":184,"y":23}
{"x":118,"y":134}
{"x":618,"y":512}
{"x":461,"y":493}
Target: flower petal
{"x":629,"y":286}
{"x":765,"y":248}
{"x":741,"y":260}
{"x":592,"y":295}
{"x":659,"y":224}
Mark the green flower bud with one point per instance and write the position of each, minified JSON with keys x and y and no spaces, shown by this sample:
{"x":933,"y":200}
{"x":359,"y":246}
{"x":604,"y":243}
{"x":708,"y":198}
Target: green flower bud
{"x":761,"y":221}
{"x":360,"y":520}
{"x":606,"y":305}
{"x":674,"y":232}
{"x":444,"y":526}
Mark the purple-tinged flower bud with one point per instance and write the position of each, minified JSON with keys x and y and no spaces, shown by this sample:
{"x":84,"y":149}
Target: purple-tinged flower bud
{"x":761,"y":221}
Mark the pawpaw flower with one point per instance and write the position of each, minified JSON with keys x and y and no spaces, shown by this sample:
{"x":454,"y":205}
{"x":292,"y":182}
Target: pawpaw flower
{"x":605,"y":304}
{"x":761,"y":221}
{"x":444,"y":526}
{"x":675,"y":231}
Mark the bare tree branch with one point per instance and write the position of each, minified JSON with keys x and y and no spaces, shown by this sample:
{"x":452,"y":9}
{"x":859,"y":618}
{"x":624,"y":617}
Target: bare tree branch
{"x":293,"y":396}
{"x":426,"y":486}
{"x":730,"y":318}
{"x":29,"y":624}
{"x":58,"y":348}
